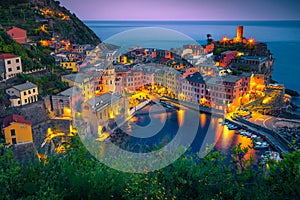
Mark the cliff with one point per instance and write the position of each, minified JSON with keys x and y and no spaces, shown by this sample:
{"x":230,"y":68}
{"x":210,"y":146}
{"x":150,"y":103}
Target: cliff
{"x":46,"y":19}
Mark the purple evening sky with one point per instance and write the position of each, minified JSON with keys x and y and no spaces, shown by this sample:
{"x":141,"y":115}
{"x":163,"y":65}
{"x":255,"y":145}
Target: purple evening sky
{"x":184,"y":9}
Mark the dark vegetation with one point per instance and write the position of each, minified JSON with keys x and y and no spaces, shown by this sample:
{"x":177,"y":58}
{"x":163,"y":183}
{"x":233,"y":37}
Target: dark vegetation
{"x":77,"y":175}
{"x":28,"y":16}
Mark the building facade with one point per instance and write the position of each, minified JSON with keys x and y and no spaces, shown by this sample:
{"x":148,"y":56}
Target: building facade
{"x":23,"y":94}
{"x":17,"y":130}
{"x":84,"y":81}
{"x":67,"y":102}
{"x":10,"y":66}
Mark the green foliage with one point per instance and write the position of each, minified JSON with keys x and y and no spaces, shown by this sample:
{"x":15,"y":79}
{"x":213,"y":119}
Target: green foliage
{"x":16,"y":13}
{"x":244,"y":68}
{"x":32,"y":58}
{"x":77,"y":175}
{"x":48,"y":84}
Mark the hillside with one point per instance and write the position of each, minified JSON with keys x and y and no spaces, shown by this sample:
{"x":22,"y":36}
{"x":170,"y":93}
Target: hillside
{"x":45,"y":19}
{"x":33,"y":57}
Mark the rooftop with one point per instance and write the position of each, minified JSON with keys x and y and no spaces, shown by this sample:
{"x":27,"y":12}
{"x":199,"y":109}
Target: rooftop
{"x":71,"y":92}
{"x":14,"y":28}
{"x":195,"y":78}
{"x":25,"y":86}
{"x":77,"y":78}
{"x":15,"y":118}
{"x":230,"y":78}
{"x":260,"y":58}
{"x":7,"y":56}
{"x":102,"y":101}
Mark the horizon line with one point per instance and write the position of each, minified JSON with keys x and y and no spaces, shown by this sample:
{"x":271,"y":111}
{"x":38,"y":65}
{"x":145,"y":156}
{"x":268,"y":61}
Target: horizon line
{"x":189,"y":20}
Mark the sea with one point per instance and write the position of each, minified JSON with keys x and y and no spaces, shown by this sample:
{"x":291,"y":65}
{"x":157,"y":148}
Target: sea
{"x":282,"y":38}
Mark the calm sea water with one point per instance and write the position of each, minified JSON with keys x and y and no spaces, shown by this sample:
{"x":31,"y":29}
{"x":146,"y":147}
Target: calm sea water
{"x":282,"y":37}
{"x":172,"y":123}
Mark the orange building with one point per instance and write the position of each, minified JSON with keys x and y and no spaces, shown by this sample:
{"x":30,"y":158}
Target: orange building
{"x":17,"y":130}
{"x":17,"y":34}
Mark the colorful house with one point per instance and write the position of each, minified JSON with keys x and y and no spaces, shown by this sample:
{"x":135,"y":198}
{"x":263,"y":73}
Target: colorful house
{"x":23,"y":94}
{"x":193,"y":88}
{"x":84,"y":81}
{"x":17,"y":34}
{"x":227,"y":57}
{"x":69,"y":65}
{"x":106,"y":107}
{"x":10,"y":66}
{"x":17,"y":130}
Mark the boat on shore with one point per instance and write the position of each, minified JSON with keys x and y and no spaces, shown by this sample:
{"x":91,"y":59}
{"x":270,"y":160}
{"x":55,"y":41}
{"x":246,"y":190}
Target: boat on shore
{"x":270,"y":155}
{"x":261,"y":145}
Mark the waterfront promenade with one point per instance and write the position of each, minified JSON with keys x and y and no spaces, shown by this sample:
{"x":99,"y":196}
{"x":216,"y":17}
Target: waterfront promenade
{"x":273,"y":138}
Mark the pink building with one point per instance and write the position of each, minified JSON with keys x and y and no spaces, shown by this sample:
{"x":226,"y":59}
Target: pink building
{"x":222,"y":91}
{"x":193,"y":88}
{"x":189,"y":71}
{"x":17,"y":34}
{"x":227,"y":57}
{"x":130,"y":80}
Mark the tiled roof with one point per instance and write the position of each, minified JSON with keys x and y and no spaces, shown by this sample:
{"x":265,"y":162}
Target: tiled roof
{"x":7,"y":56}
{"x":15,"y":118}
{"x":25,"y":86}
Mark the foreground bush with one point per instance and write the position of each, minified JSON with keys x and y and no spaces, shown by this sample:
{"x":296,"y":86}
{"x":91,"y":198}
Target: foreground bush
{"x":77,"y":175}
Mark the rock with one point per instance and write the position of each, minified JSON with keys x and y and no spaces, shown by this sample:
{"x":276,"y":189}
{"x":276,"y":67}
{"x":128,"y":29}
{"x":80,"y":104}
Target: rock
{"x":293,"y":93}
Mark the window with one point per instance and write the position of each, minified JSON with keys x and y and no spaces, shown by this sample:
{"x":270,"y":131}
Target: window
{"x":19,"y":102}
{"x":17,"y":60}
{"x":13,"y":132}
{"x":14,"y":140}
{"x":18,"y":67}
{"x":29,"y":92}
{"x":25,"y":100}
{"x":33,"y":90}
{"x":101,"y":115}
{"x":9,"y":62}
{"x":9,"y":69}
{"x":24,"y":93}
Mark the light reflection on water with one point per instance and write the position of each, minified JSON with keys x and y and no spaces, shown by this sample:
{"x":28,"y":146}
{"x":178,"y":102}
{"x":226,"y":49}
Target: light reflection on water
{"x":224,"y":139}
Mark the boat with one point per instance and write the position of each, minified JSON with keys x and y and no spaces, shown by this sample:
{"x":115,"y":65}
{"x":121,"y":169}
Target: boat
{"x":261,"y":145}
{"x":245,"y":133}
{"x":232,"y":127}
{"x":270,"y":155}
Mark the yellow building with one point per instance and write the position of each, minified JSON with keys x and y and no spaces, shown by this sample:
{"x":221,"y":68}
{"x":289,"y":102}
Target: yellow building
{"x":106,"y":107}
{"x":69,"y":65}
{"x":17,"y":130}
{"x":84,"y":81}
{"x":23,"y":94}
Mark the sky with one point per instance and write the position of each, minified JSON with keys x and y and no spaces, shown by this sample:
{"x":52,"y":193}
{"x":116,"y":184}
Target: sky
{"x":184,"y":9}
